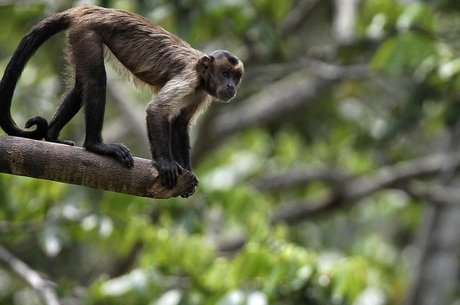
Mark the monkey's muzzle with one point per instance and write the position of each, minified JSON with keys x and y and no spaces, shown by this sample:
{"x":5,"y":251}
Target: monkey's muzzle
{"x":226,"y":95}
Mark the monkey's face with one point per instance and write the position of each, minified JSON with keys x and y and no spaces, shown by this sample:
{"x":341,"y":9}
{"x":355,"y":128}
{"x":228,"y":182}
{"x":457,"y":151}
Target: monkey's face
{"x":221,"y":73}
{"x":227,"y":81}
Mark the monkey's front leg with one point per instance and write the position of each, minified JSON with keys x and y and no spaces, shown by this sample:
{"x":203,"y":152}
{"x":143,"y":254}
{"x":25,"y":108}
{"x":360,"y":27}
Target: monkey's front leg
{"x":180,"y":144}
{"x":159,"y":133}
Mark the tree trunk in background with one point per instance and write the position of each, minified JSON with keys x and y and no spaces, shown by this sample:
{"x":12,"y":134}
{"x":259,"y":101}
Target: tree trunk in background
{"x":436,"y":274}
{"x":437,"y":270}
{"x":345,"y":20}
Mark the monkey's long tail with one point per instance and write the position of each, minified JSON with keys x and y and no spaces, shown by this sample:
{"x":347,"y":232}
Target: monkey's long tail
{"x":26,"y":48}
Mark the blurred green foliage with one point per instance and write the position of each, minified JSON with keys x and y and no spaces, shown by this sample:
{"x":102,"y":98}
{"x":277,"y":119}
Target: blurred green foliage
{"x":106,"y":248}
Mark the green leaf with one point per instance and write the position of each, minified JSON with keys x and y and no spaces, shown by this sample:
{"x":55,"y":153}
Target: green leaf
{"x":350,"y":277}
{"x":402,"y":53}
{"x":416,"y":16}
{"x":253,"y":263}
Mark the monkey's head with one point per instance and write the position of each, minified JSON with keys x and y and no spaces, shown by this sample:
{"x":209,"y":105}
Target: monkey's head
{"x":220,"y":73}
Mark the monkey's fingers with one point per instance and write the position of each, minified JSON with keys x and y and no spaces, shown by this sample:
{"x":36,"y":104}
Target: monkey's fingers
{"x":169,"y":179}
{"x":177,"y":172}
{"x":174,"y":176}
{"x":123,"y":154}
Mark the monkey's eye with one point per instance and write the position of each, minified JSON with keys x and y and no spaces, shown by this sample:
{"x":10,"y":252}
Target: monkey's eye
{"x":226,"y":74}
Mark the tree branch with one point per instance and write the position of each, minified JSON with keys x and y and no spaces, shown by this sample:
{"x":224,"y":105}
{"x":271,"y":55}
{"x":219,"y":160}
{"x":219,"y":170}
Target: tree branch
{"x":345,"y":20}
{"x":57,"y":162}
{"x":437,"y":194}
{"x":297,"y":177}
{"x":297,"y":16}
{"x":274,"y":101}
{"x":353,"y":190}
{"x":30,"y":276}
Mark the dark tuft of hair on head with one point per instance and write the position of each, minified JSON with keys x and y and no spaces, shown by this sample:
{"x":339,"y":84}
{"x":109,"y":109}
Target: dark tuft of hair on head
{"x":232,"y":59}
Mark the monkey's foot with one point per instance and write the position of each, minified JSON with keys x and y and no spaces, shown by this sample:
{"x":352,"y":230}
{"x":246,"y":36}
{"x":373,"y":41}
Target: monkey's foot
{"x":118,"y":151}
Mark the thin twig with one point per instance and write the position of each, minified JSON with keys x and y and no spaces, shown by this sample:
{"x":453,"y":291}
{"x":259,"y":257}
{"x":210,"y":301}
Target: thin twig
{"x":30,"y":276}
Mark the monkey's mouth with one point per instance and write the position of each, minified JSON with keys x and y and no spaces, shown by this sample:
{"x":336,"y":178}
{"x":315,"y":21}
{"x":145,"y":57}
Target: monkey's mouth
{"x":226,"y":95}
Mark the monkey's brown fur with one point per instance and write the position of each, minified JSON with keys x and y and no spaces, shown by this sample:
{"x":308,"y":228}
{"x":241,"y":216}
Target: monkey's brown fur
{"x":184,"y":79}
{"x":149,"y":55}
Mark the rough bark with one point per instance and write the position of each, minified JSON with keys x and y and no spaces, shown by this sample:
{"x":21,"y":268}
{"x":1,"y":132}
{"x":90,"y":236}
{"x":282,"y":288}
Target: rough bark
{"x":68,"y":164}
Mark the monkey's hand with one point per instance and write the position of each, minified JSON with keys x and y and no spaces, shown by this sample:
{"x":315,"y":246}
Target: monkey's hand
{"x":169,"y":171}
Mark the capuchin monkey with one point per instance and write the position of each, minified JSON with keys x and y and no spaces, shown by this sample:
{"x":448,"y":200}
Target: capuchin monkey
{"x":184,"y":82}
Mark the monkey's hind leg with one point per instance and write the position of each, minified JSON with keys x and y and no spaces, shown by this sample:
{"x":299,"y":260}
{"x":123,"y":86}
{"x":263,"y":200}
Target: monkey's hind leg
{"x":69,"y":107}
{"x":89,"y":59}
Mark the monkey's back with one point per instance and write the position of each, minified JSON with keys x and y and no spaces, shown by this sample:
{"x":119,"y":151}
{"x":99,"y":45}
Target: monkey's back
{"x":149,"y":52}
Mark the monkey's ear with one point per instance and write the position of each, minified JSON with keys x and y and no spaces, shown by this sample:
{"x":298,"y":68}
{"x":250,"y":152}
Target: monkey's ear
{"x":203,"y":64}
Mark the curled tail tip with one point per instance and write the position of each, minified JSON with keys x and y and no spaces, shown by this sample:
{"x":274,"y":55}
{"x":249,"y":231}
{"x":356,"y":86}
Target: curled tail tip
{"x":41,"y":128}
